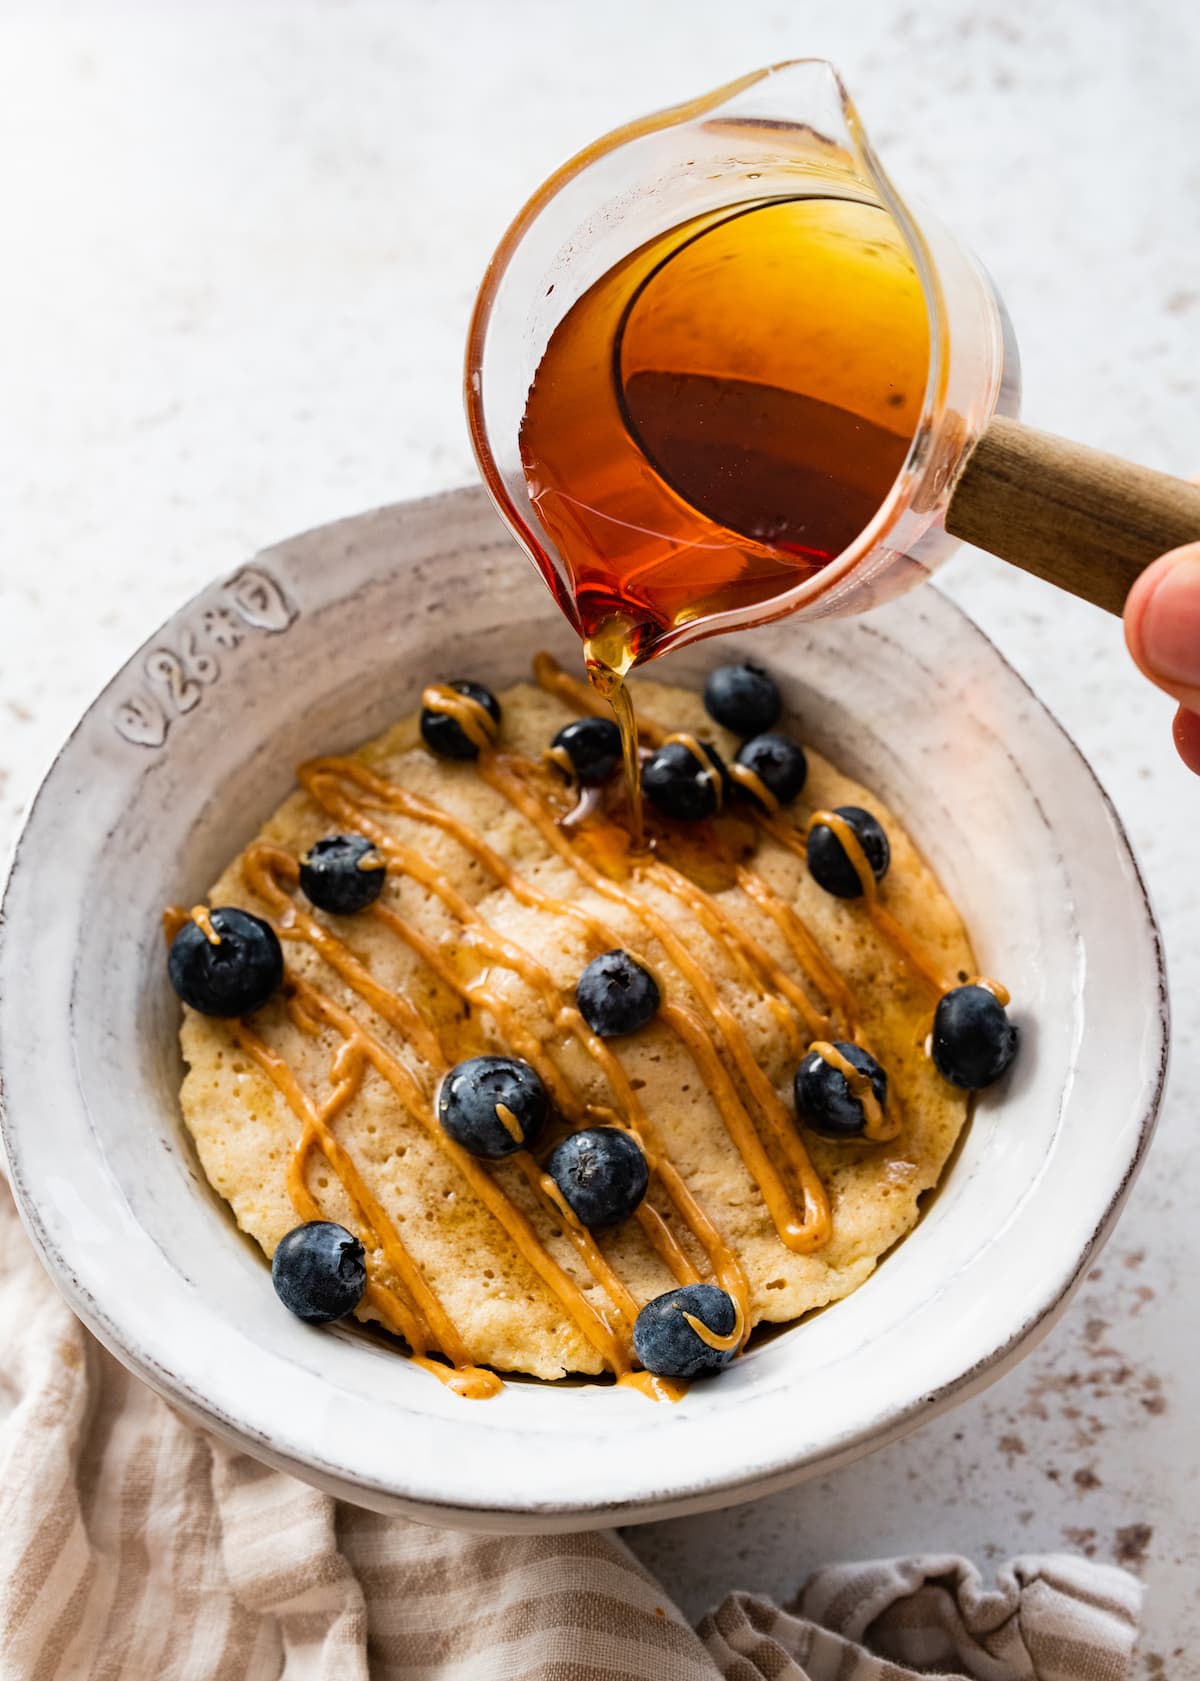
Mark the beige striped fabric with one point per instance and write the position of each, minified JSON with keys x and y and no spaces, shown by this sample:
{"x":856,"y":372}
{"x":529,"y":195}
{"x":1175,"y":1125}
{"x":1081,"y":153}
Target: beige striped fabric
{"x":133,"y":1547}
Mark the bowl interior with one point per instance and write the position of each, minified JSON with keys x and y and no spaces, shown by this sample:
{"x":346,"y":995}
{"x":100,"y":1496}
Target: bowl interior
{"x":319,"y":644}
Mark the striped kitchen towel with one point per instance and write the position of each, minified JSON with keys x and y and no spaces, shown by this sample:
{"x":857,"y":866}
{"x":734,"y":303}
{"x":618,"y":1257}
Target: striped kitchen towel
{"x":133,"y":1547}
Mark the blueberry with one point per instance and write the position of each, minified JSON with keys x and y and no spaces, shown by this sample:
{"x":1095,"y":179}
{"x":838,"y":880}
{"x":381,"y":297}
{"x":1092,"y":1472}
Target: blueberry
{"x":601,"y":1173}
{"x":234,"y":977}
{"x":615,"y":995}
{"x":343,"y":874}
{"x":827,"y":860}
{"x":742,"y":697}
{"x":824,"y":1100}
{"x":666,"y":1344}
{"x":683,"y":782}
{"x":493,"y":1105}
{"x":319,"y":1271}
{"x":973,"y":1040}
{"x":592,"y":747}
{"x":779,"y":764}
{"x":444,"y":735}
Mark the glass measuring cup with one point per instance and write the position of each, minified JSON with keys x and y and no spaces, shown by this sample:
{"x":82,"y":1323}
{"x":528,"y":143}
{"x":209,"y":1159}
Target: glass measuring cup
{"x":787,"y":133}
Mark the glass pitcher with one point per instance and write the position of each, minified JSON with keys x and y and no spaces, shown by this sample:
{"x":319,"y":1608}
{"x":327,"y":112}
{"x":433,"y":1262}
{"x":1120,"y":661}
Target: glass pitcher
{"x":787,"y":133}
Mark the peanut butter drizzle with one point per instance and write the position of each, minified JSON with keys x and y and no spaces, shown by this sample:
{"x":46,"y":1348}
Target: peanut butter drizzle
{"x":879,"y":914}
{"x":319,"y":778}
{"x":702,"y":756}
{"x":474,"y":720}
{"x":737,"y":939}
{"x":421,"y":1319}
{"x":559,"y":756}
{"x":552,"y":676}
{"x":261,"y":865}
{"x":754,"y":784}
{"x":799,"y":1234}
{"x":881,"y":1127}
{"x":708,"y":913}
{"x":852,"y":847}
{"x":713,"y":1338}
{"x":666,"y":1244}
{"x":655,"y":1388}
{"x":565,"y":1099}
{"x":583,"y":1240}
{"x":564,"y":1014}
{"x":414,"y":1318}
{"x":803,"y":946}
{"x":590,"y":1321}
{"x":796,"y":841}
{"x":577,"y":694}
{"x":299,"y":1016}
{"x":754,"y":963}
{"x":906,"y":946}
{"x":199,"y":915}
{"x":549,"y":675}
{"x":781,"y":830}
{"x":473,"y":1383}
{"x":780,"y":1205}
{"x":999,"y":992}
{"x":175,"y":917}
{"x":510,"y":1123}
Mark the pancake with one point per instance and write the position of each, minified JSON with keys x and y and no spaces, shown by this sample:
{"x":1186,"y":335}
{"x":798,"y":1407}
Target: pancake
{"x":321,"y":1104}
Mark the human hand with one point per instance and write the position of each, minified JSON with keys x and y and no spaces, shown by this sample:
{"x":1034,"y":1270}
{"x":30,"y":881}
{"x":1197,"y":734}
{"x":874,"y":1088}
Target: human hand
{"x":1162,"y":630}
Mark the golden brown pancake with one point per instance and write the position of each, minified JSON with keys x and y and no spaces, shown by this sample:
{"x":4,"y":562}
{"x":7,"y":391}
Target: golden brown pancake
{"x":468,"y":959}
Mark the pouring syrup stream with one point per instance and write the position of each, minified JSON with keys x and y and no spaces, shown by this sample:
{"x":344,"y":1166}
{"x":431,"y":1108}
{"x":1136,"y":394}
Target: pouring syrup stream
{"x":610,"y":657}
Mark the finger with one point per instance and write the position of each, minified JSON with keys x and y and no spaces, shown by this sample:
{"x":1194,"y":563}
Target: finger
{"x":1187,"y":738}
{"x":1162,"y":624}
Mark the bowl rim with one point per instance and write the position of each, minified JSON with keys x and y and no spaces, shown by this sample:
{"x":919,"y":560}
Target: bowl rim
{"x":894,"y":1419}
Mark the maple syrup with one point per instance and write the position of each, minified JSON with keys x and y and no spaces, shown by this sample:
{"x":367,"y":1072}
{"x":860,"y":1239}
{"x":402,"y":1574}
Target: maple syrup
{"x":719,"y":416}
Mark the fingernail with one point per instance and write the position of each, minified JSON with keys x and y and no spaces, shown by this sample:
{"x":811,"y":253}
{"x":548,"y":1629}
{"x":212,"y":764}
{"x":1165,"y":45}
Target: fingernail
{"x":1171,"y":623}
{"x":1187,"y":738}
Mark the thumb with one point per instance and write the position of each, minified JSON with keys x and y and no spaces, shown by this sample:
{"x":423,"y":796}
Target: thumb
{"x":1162,"y":624}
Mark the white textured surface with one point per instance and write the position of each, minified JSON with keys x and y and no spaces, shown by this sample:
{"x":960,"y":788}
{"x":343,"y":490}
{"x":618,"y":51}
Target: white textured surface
{"x":240,"y":247}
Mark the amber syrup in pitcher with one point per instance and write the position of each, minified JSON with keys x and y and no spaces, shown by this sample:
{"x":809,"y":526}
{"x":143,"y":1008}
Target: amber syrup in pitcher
{"x":720,"y":416}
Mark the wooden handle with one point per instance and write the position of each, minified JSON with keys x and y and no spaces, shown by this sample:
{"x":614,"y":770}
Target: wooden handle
{"x":1086,"y":521}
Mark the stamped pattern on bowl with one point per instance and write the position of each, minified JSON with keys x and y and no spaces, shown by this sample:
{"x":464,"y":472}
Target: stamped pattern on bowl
{"x":250,"y":602}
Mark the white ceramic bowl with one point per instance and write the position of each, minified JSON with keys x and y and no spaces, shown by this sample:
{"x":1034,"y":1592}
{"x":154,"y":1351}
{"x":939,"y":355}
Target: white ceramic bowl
{"x":317,"y":645}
